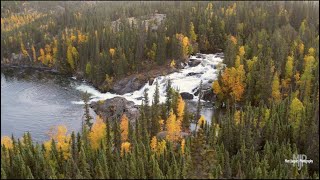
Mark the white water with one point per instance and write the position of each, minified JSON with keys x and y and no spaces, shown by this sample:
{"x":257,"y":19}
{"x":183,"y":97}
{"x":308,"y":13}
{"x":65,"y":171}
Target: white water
{"x":179,"y":80}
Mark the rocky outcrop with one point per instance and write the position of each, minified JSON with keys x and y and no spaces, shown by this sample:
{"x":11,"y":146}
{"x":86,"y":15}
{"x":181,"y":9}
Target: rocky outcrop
{"x":194,"y":62}
{"x":114,"y":108}
{"x":193,"y":74}
{"x":208,"y":95}
{"x":129,"y":84}
{"x":137,"y":81}
{"x":186,"y":95}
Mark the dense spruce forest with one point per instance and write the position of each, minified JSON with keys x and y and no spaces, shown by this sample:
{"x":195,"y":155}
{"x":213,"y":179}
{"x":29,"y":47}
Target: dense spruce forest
{"x":267,"y":96}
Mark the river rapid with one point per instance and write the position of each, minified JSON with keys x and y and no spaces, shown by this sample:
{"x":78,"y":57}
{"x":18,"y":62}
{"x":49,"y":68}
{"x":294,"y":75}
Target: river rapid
{"x":35,"y":101}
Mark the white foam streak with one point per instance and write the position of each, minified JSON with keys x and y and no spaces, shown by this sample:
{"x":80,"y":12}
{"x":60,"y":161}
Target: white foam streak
{"x":205,"y":71}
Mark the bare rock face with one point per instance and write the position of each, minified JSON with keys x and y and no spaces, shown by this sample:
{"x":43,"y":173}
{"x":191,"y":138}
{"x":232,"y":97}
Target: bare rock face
{"x":137,"y":81}
{"x":129,"y":84}
{"x":186,"y":95}
{"x":208,"y":95}
{"x":115,"y":107}
{"x":194,"y":62}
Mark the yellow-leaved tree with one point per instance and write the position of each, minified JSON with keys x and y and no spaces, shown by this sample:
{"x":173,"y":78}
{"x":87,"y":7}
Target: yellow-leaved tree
{"x":59,"y":134}
{"x":173,"y":127}
{"x":180,"y":108}
{"x":42,"y":56}
{"x":307,"y":76}
{"x":125,"y":148}
{"x":276,"y":95}
{"x":112,"y":51}
{"x":233,"y":39}
{"x":34,"y":55}
{"x":153,"y":144}
{"x":97,"y":133}
{"x":156,"y":146}
{"x":6,"y":141}
{"x":237,"y":117}
{"x":232,"y":84}
{"x":172,"y":64}
{"x":295,"y":114}
{"x":183,"y":145}
{"x":124,"y":128}
{"x":161,"y":147}
{"x":201,"y":121}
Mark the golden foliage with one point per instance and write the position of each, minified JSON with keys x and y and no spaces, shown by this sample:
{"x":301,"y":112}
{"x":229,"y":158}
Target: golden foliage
{"x":307,"y":76}
{"x":184,"y":40}
{"x":125,"y":148}
{"x":61,"y":139}
{"x":295,"y":114}
{"x":97,"y":133}
{"x":42,"y":55}
{"x":201,"y":121}
{"x":276,"y":95}
{"x":81,"y":37}
{"x":7,"y":142}
{"x":70,"y":57}
{"x":183,"y":145}
{"x":297,"y":78}
{"x":216,"y":129}
{"x":47,"y":145}
{"x":233,"y":39}
{"x":153,"y":144}
{"x":289,"y":67}
{"x":112,"y":51}
{"x":233,"y":82}
{"x":73,"y":38}
{"x":23,"y":50}
{"x":311,"y":51}
{"x":237,"y":117}
{"x":162,"y":146}
{"x":172,"y":64}
{"x":250,"y":63}
{"x":15,"y":21}
{"x":301,"y":48}
{"x":237,"y":62}
{"x":241,"y":51}
{"x":156,"y":146}
{"x":216,"y":87}
{"x":161,"y":123}
{"x":124,"y":127}
{"x":173,"y":127}
{"x":34,"y":55}
{"x":193,"y":35}
{"x":180,"y":108}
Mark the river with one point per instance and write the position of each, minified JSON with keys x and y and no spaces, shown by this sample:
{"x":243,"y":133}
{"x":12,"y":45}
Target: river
{"x":35,"y":101}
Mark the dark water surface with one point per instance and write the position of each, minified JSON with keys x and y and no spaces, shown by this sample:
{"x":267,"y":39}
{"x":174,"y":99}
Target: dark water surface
{"x":35,"y":101}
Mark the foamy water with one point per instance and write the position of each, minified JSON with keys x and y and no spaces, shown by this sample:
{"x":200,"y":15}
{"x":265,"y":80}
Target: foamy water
{"x":206,"y":71}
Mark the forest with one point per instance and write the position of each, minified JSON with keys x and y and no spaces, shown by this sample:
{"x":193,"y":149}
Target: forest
{"x":267,"y":105}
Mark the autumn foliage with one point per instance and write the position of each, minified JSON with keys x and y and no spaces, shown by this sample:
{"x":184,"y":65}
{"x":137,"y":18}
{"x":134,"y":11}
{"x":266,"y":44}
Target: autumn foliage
{"x":232,"y":84}
{"x":173,"y":127}
{"x":124,"y":128}
{"x":59,"y":135}
{"x":97,"y":133}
